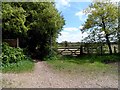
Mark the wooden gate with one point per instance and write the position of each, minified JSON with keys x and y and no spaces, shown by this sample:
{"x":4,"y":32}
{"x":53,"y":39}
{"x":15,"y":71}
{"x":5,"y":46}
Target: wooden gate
{"x":69,"y":51}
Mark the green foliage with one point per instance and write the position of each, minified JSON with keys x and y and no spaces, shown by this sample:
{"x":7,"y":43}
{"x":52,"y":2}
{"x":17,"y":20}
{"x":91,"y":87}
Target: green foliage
{"x":102,"y":22}
{"x":100,"y":13}
{"x":19,"y":67}
{"x":52,"y":56}
{"x":14,"y":60}
{"x":45,"y":23}
{"x":12,"y":55}
{"x":13,"y":19}
{"x":39,"y":22}
{"x":106,"y":58}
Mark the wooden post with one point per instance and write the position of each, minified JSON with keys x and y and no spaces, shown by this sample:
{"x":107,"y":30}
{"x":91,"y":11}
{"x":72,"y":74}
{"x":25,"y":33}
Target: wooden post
{"x":114,"y":49}
{"x":91,"y":50}
{"x":101,"y":50}
{"x":81,"y":50}
{"x":88,"y":52}
{"x":17,"y":42}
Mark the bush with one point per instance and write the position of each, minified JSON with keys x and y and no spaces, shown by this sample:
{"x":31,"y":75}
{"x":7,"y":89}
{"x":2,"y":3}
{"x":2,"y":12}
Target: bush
{"x":12,"y":55}
{"x":52,"y":56}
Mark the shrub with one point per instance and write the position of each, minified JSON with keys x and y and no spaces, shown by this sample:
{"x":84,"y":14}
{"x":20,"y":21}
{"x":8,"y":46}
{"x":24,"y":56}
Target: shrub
{"x":19,"y":67}
{"x":12,"y":55}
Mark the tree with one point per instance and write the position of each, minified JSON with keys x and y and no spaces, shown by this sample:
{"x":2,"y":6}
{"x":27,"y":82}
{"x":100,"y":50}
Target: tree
{"x":39,"y":22}
{"x":45,"y":22}
{"x":13,"y":21}
{"x":102,"y":18}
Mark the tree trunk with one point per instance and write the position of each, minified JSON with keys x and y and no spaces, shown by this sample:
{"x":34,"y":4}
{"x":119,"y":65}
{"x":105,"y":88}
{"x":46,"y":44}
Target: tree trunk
{"x":114,"y":49}
{"x":108,"y":43}
{"x":101,"y":50}
{"x":107,"y":38}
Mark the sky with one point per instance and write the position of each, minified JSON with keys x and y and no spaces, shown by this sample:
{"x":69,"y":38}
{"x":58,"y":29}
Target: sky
{"x":74,"y":18}
{"x":72,"y":11}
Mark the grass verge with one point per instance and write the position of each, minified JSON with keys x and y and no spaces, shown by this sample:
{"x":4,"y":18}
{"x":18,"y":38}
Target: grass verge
{"x":19,"y":67}
{"x":86,"y":64}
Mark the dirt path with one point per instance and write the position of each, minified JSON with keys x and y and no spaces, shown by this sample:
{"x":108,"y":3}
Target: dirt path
{"x":44,"y":77}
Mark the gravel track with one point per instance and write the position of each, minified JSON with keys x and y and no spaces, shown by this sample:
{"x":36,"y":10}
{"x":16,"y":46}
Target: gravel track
{"x":44,"y":77}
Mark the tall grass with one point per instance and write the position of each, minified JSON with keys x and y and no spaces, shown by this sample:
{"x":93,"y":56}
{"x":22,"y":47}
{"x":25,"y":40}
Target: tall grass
{"x":19,"y":67}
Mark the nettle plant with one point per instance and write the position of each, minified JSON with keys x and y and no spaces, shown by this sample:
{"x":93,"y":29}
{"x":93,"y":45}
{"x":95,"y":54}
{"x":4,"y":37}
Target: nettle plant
{"x":11,"y":54}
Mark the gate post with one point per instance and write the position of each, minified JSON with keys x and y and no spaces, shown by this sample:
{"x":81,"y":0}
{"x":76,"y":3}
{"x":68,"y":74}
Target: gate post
{"x":17,"y":42}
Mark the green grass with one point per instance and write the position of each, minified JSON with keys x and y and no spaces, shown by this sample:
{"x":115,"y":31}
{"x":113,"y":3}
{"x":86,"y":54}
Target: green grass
{"x":83,"y":64}
{"x":19,"y":67}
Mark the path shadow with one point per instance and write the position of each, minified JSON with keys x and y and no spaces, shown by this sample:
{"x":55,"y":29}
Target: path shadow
{"x":37,"y":60}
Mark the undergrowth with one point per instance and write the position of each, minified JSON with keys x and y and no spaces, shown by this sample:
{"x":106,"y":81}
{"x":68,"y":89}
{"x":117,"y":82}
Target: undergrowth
{"x":14,"y":60}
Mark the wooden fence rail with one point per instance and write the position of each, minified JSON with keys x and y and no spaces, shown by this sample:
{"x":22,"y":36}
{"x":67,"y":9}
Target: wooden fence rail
{"x":87,"y":50}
